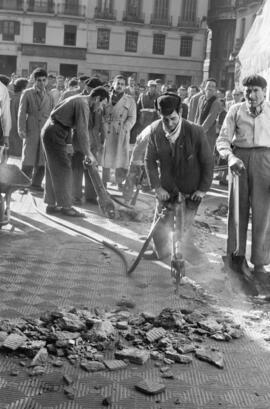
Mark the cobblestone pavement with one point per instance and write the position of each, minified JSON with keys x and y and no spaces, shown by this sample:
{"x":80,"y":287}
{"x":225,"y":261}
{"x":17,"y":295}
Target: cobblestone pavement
{"x":45,"y":266}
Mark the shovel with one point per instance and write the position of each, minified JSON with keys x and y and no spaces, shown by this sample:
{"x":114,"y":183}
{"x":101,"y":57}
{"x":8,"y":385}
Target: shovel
{"x":230,"y":265}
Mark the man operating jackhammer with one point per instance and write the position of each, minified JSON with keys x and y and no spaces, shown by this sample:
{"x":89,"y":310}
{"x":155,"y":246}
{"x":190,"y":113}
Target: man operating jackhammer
{"x":179,"y":166}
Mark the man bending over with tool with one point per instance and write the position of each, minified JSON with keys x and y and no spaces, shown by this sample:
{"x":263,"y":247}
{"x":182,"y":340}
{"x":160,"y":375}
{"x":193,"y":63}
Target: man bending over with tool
{"x":71,"y":113}
{"x":179,"y":165}
{"x":244,"y":140}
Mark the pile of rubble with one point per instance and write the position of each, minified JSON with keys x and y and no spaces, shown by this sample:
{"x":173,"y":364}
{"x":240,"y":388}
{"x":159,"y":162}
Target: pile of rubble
{"x":84,"y":336}
{"x":110,"y":340}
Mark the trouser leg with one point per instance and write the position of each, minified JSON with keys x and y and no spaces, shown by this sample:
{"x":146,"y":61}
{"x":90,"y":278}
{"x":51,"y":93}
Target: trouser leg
{"x":106,"y":175}
{"x":120,"y":175}
{"x":38,"y":175}
{"x":59,"y":164}
{"x":49,"y":195}
{"x":259,"y":175}
{"x":28,"y":170}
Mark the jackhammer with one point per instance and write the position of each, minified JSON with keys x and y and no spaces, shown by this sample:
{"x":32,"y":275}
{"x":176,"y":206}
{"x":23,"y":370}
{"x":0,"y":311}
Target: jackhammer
{"x":176,"y":205}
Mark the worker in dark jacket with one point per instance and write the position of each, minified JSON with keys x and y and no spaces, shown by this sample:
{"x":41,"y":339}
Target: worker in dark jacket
{"x":72,"y":113}
{"x":178,"y":159}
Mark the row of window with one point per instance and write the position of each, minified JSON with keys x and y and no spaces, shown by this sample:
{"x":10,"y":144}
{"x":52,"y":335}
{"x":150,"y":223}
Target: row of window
{"x":131,"y":43}
{"x":10,"y":28}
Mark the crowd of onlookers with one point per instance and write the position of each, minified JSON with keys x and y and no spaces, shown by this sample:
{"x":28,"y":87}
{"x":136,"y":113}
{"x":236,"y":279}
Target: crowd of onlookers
{"x":28,"y":103}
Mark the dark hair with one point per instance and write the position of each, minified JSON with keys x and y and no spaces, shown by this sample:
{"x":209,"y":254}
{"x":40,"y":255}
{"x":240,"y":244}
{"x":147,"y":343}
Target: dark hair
{"x":93,"y":82}
{"x":99,"y":92}
{"x":4,"y":79}
{"x":167,"y":103}
{"x":119,"y":77}
{"x":73,"y":82}
{"x":255,"y":80}
{"x":52,"y":76}
{"x":39,"y":72}
{"x":20,"y":84}
{"x":195,"y":87}
{"x":83,"y":78}
{"x":212,"y":80}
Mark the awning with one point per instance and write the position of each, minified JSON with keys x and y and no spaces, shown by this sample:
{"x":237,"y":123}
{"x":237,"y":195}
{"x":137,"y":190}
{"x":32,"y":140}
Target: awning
{"x":254,"y":55}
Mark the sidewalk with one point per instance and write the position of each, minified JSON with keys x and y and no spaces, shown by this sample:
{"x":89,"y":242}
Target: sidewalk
{"x":46,"y":267}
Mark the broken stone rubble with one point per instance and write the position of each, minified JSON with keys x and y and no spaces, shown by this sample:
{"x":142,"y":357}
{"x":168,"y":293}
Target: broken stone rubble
{"x":84,"y":337}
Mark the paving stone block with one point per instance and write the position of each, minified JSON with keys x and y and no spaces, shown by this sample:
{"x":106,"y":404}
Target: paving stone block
{"x":155,"y":334}
{"x":114,"y":364}
{"x":14,"y":341}
{"x":150,"y":387}
{"x":134,"y":355}
{"x":209,"y":355}
{"x":92,"y":366}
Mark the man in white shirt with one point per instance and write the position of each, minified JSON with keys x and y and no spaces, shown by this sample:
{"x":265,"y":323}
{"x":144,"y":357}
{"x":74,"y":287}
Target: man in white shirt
{"x":244,"y":140}
{"x":5,"y":118}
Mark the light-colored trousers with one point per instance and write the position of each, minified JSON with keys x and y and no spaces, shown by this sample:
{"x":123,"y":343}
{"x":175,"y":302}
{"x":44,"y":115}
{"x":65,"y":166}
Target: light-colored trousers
{"x":254,"y":198}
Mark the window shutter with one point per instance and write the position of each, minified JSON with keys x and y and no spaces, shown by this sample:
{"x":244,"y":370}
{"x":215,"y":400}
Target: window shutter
{"x":16,"y":27}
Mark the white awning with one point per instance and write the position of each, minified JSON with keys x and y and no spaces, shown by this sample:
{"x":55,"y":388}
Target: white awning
{"x":254,"y":55}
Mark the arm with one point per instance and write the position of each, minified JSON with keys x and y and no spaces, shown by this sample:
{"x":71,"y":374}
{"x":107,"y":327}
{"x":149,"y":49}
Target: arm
{"x":206,"y":160}
{"x":82,"y":113}
{"x":151,"y":167}
{"x":22,"y":115}
{"x":5,"y":114}
{"x":139,"y":103}
{"x":198,"y":110}
{"x":212,"y":116}
{"x":132,"y":115}
{"x":224,"y":141}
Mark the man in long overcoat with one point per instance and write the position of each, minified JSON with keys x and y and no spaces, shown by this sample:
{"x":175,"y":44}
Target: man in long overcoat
{"x":207,"y":111}
{"x":35,"y":107}
{"x":119,"y":118}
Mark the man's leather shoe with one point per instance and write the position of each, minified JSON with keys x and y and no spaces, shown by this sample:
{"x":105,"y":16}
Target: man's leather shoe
{"x":150,"y":255}
{"x":239,"y":265}
{"x":36,"y":188}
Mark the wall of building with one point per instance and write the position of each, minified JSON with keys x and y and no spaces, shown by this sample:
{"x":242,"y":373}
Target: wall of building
{"x":116,"y":59}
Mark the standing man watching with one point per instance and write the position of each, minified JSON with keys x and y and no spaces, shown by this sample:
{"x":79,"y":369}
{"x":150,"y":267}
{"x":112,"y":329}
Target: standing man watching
{"x":119,"y":117}
{"x":147,"y":99}
{"x":207,"y":111}
{"x":177,"y":160}
{"x":244,"y":140}
{"x":34,"y":109}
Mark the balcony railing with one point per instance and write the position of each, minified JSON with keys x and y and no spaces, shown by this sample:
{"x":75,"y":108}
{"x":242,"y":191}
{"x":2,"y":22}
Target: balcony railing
{"x":222,"y":13}
{"x":105,"y":14}
{"x":134,"y":17}
{"x":69,"y":10}
{"x":161,"y":20}
{"x":41,"y":6}
{"x":195,"y":22}
{"x":13,"y":5}
{"x":246,"y":3}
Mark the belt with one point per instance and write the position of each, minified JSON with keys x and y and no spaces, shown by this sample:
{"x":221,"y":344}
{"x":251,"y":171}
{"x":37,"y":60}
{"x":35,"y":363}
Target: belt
{"x":56,"y":122}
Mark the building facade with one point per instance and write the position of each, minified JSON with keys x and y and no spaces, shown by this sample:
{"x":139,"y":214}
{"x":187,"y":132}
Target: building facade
{"x":229,"y":21}
{"x":146,"y":38}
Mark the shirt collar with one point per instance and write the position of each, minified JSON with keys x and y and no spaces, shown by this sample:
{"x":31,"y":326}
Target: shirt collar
{"x":173,"y":136}
{"x":256,"y":110}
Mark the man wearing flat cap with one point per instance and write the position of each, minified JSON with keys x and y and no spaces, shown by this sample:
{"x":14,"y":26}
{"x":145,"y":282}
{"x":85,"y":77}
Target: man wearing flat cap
{"x":178,"y":160}
{"x":147,"y":99}
{"x":244,"y":140}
